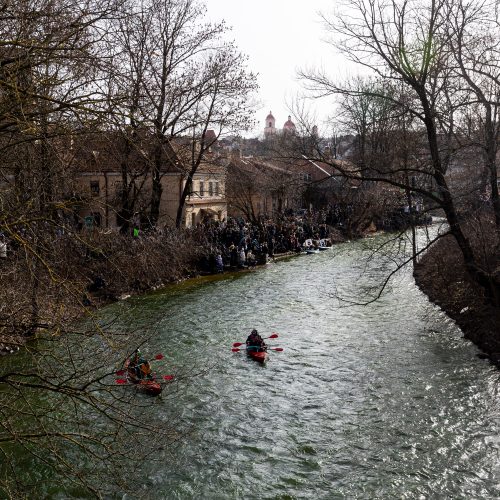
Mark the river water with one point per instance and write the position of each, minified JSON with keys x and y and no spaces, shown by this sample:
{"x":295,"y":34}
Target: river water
{"x":384,"y":400}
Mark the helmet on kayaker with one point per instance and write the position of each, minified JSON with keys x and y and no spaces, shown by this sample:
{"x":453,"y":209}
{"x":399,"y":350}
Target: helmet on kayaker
{"x":255,"y":332}
{"x":134,"y":358}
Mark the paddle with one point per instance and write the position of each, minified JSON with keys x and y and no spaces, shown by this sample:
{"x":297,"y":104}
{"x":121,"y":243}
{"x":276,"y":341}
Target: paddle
{"x":279,"y":349}
{"x":273,"y":336}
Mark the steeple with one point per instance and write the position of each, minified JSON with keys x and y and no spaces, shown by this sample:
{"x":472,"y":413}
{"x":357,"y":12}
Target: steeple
{"x":270,"y":125}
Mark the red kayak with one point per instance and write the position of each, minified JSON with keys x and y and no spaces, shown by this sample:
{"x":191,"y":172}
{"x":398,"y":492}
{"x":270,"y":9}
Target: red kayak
{"x":149,"y":386}
{"x":260,"y":356}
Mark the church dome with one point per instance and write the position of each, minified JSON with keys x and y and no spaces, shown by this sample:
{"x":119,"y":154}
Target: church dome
{"x":270,"y":116}
{"x":289,"y":125}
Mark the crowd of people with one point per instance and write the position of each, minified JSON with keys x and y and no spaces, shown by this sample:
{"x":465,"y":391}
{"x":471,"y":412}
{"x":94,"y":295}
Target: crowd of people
{"x":236,"y":243}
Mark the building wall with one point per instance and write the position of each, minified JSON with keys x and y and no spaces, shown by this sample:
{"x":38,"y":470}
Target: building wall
{"x":208,"y":199}
{"x":100,"y":192}
{"x":97,"y":190}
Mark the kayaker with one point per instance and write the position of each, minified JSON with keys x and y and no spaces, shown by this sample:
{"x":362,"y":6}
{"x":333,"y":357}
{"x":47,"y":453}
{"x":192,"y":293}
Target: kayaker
{"x":139,"y":366}
{"x":255,"y":342}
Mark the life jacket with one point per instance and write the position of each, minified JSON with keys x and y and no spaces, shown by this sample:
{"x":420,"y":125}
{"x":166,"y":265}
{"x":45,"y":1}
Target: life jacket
{"x":145,"y":368}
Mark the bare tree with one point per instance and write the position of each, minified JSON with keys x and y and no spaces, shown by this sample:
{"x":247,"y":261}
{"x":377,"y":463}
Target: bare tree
{"x":474,"y":36}
{"x":57,"y":398}
{"x":407,"y":42}
{"x":178,"y":79}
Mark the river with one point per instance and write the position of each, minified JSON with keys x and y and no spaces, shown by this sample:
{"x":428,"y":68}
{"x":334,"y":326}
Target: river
{"x":384,"y":400}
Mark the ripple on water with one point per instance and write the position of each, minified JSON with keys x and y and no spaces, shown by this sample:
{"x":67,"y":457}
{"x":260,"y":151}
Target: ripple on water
{"x":384,"y":400}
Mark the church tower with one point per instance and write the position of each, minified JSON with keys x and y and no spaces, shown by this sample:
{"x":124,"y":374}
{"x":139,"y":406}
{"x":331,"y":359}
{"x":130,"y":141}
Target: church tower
{"x":270,"y":126}
{"x":289,"y":126}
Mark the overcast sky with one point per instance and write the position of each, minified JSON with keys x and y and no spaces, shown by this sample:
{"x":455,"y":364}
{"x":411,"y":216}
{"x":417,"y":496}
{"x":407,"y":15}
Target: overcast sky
{"x":279,"y":36}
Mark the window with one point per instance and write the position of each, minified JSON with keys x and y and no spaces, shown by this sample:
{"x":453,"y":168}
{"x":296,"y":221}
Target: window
{"x":210,"y":189}
{"x":216,"y":189}
{"x":94,"y":188}
{"x":202,"y":189}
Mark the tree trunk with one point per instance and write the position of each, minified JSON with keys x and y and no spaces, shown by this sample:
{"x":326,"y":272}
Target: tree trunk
{"x":156,"y":187}
{"x":490,"y":285}
{"x":182,"y":201}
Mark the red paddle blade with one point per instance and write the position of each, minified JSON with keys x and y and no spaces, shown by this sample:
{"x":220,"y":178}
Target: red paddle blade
{"x":120,"y":372}
{"x":273,"y":336}
{"x":168,"y":377}
{"x":277,"y":349}
{"x":234,"y":349}
{"x":121,"y":381}
{"x":159,"y":356}
{"x":237,"y":344}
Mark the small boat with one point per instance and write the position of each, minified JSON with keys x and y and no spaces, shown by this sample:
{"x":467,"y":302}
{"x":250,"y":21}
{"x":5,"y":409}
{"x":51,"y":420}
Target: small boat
{"x":310,"y":251}
{"x":321,"y":249}
{"x":146,"y":385}
{"x":260,"y":356}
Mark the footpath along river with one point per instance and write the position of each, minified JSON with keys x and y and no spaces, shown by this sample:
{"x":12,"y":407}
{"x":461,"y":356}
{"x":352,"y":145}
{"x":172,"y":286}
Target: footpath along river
{"x":385,"y":400}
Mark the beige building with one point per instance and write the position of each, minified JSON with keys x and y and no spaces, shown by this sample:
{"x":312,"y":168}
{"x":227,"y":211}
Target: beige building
{"x":208,"y":195}
{"x":100,"y":171}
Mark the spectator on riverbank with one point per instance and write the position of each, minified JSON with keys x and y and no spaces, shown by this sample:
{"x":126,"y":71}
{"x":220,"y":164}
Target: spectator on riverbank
{"x":235,"y":238}
{"x":233,"y":255}
{"x":251,"y":260}
{"x":241,"y":257}
{"x":219,"y":264}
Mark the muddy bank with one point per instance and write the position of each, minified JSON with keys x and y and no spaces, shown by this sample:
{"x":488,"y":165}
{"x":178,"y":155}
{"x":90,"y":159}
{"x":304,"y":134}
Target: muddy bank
{"x":441,"y":275}
{"x":77,"y":273}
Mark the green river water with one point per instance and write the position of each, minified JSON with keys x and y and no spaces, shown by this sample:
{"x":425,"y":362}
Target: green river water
{"x":385,"y":400}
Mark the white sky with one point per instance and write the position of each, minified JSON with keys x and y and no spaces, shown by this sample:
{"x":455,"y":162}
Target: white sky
{"x":279,"y":36}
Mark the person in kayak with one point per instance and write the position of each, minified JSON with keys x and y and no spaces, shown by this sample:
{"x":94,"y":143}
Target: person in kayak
{"x":255,"y":342}
{"x":139,"y":367}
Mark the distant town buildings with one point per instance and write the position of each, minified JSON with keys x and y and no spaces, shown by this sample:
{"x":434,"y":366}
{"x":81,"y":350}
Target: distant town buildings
{"x":107,"y":176}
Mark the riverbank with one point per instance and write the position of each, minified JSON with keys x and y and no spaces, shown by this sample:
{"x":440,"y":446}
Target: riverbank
{"x":81,"y":272}
{"x":441,"y":275}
